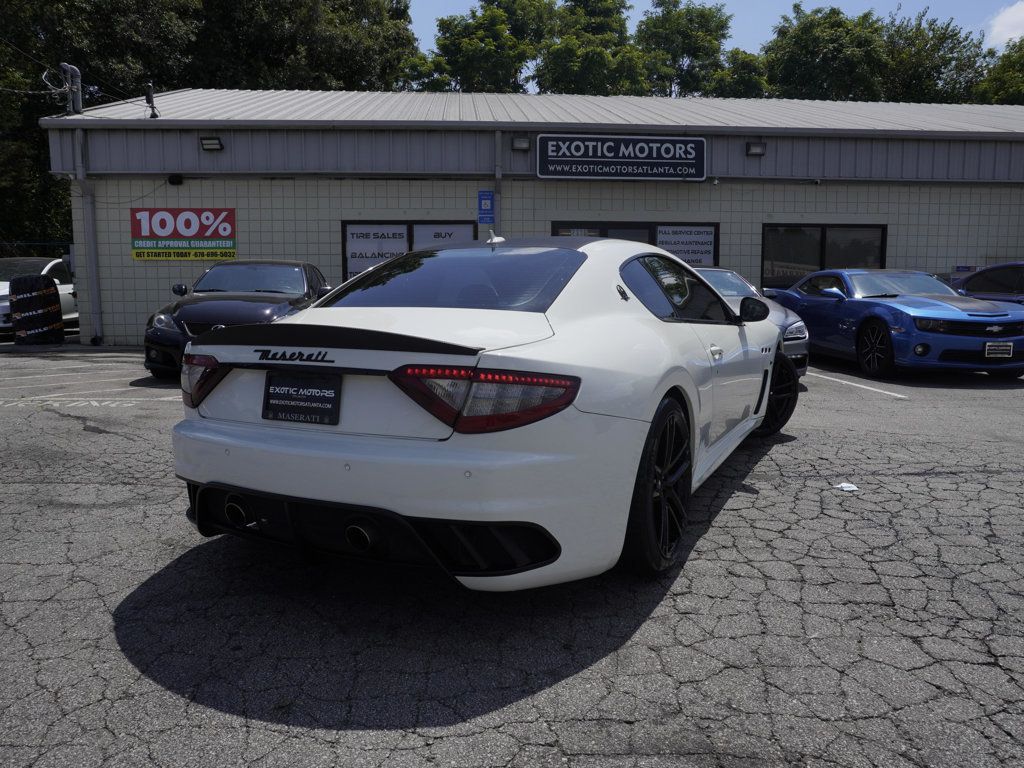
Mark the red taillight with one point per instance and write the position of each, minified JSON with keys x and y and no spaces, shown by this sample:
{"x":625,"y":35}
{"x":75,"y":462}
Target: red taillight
{"x":199,"y":375}
{"x":480,"y":400}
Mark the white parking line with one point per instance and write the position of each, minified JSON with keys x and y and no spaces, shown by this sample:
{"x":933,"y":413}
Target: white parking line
{"x":102,"y":363}
{"x":52,"y":375}
{"x":41,"y":385}
{"x":86,"y":392}
{"x":859,"y":386}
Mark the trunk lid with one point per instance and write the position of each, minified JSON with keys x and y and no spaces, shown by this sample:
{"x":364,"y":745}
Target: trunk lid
{"x":356,"y":348}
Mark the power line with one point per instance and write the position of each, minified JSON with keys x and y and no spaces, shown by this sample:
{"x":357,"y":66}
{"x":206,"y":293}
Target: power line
{"x":27,"y":55}
{"x":34,"y":93}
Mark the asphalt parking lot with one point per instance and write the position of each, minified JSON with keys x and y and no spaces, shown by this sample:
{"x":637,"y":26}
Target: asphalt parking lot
{"x":808,"y":625}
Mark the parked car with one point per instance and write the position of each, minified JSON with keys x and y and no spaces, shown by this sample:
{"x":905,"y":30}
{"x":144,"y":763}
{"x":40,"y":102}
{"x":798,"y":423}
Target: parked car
{"x":228,"y":293}
{"x":1003,"y":282}
{"x":733,"y":287}
{"x":886,"y":319}
{"x":521,"y":413}
{"x":32,"y":265}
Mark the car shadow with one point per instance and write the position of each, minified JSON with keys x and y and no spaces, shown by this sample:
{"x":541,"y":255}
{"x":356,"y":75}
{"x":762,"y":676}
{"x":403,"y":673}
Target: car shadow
{"x":152,"y":382}
{"x":919,"y":378}
{"x":268,"y":634}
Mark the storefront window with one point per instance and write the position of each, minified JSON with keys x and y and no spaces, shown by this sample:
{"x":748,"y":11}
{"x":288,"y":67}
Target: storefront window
{"x":791,"y":251}
{"x":695,"y":244}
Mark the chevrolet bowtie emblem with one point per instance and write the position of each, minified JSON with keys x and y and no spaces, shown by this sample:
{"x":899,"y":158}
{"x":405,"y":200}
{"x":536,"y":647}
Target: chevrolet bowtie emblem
{"x":994,"y":328}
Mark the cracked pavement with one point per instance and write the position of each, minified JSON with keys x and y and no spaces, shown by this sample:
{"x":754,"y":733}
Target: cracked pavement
{"x":807,"y":626}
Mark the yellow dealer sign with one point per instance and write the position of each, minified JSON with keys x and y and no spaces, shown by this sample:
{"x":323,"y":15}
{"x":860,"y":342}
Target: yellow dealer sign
{"x":174,"y":234}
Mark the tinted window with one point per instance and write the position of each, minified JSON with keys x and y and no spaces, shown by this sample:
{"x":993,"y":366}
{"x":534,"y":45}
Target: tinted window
{"x":519,"y":279}
{"x":898,"y":283}
{"x":252,"y":278}
{"x":21,"y":266}
{"x":850,"y":247}
{"x":1001,"y":280}
{"x":791,"y":251}
{"x":789,"y":254}
{"x":644,"y":287}
{"x":727,"y":283}
{"x":815,"y":285}
{"x":691,"y":299}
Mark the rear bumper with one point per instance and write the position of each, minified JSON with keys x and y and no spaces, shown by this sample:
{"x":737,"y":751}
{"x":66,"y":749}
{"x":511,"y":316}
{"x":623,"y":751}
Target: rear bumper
{"x":571,"y":475}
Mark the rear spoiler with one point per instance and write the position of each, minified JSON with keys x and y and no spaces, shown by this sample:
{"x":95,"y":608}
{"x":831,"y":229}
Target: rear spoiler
{"x":329,"y":337}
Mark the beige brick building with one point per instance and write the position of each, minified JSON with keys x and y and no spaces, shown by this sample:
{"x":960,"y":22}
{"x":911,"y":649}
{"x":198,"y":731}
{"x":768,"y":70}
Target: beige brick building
{"x":782,"y":188}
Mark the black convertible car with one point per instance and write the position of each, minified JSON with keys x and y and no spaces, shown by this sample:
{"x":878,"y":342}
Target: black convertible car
{"x":229,"y":293}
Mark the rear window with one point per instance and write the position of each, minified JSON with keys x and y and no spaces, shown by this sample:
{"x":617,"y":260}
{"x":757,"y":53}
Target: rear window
{"x":517,"y":279}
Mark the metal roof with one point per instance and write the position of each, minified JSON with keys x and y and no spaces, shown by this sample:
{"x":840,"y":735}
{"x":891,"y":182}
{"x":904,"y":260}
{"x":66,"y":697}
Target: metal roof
{"x":200,"y":108}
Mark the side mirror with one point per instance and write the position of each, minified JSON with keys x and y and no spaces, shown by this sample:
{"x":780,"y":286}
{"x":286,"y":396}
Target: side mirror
{"x":752,"y":310}
{"x":833,"y":293}
{"x":324,"y":290}
{"x":961,"y":291}
{"x":179,"y":289}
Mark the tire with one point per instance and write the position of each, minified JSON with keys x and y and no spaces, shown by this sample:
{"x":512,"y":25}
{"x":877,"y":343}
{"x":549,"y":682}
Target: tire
{"x":874,"y":350}
{"x":657,"y":514}
{"x":164,"y":373}
{"x":1008,"y":374}
{"x":783,"y":393}
{"x":36,"y":316}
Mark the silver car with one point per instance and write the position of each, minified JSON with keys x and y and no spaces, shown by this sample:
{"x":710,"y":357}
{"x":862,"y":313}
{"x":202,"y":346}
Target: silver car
{"x":34,"y":265}
{"x":733,"y":287}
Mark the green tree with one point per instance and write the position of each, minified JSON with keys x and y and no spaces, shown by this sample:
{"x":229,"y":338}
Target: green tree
{"x":743,"y":77}
{"x":932,"y":61}
{"x":1004,"y":83}
{"x":480,"y":52}
{"x":591,"y":52}
{"x":683,"y":45}
{"x":325,"y":44}
{"x":118,"y":45}
{"x":825,"y":54}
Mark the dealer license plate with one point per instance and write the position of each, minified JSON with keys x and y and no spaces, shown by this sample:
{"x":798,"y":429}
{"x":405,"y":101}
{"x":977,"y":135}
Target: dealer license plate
{"x":998,"y":349}
{"x":302,"y":398}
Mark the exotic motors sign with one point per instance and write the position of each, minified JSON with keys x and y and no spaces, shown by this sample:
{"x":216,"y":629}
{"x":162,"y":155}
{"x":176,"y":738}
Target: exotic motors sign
{"x":654,"y":158}
{"x":174,"y":234}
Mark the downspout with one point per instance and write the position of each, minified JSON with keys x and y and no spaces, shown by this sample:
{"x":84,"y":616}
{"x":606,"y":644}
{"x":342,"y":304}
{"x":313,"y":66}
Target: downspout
{"x":89,"y":225}
{"x":497,"y":182}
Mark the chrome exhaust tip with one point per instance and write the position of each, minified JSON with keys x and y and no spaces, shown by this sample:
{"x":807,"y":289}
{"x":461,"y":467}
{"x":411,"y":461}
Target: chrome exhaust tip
{"x":236,"y":513}
{"x":360,"y":538}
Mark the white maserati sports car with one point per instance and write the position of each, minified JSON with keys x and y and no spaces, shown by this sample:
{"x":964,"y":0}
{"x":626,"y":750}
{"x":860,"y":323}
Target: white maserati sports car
{"x":519,"y":413}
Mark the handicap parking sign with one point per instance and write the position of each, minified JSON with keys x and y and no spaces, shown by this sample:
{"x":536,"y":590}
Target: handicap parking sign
{"x":485,"y":206}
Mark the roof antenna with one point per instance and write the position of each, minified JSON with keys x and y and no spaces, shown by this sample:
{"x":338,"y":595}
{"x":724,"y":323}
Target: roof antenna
{"x":494,"y":239}
{"x":149,"y":101}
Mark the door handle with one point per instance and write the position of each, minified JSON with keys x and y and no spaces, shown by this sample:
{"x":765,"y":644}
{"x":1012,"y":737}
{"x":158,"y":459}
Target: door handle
{"x":716,"y":351}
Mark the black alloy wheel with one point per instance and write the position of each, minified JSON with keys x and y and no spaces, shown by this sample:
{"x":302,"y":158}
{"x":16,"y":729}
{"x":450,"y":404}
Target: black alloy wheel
{"x":874,"y":350}
{"x":657,"y":516}
{"x":783,"y":393}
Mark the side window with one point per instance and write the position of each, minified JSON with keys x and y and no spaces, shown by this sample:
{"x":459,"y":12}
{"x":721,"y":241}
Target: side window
{"x":320,"y":277}
{"x":314,"y":280}
{"x":994,"y":281}
{"x":815,"y":285}
{"x":691,"y":299}
{"x":644,"y":287}
{"x":808,"y":287}
{"x":59,"y":272}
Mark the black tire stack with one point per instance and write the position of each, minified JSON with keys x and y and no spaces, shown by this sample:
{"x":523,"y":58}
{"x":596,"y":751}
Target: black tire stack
{"x":35,"y":310}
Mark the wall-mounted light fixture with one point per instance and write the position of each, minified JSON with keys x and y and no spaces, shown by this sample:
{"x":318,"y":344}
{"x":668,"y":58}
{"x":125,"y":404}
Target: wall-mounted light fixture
{"x":521,"y":143}
{"x":756,"y":148}
{"x":211,"y":143}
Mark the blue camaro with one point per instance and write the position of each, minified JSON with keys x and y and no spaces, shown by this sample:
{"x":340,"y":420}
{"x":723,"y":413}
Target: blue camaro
{"x":886,"y":319}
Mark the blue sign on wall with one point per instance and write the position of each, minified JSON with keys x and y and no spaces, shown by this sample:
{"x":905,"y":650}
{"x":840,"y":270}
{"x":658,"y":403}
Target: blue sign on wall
{"x":485,"y":207}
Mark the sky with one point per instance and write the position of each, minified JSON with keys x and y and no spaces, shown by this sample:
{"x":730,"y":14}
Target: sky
{"x":752,"y":22}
